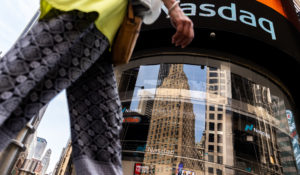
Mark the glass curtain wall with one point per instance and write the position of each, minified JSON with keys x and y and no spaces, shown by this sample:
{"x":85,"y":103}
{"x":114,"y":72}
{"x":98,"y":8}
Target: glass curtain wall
{"x":207,"y":117}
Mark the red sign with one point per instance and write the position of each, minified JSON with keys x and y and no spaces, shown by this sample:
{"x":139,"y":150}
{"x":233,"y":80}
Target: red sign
{"x":137,"y":168}
{"x":131,"y":120}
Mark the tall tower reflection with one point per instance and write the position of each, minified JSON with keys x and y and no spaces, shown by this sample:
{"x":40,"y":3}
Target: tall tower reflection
{"x":218,"y":139}
{"x":171,"y":136}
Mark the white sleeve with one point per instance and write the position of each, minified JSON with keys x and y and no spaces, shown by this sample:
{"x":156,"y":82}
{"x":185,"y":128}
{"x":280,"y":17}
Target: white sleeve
{"x":154,"y":13}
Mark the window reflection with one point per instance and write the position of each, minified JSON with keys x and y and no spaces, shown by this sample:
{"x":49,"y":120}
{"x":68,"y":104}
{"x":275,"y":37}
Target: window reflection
{"x":195,"y":119}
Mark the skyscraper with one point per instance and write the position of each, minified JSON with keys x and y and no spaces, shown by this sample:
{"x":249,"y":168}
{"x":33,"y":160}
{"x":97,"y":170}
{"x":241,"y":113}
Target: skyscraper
{"x":172,"y":125}
{"x":218,"y":144}
{"x":65,"y":165}
{"x":40,"y":148}
{"x":46,"y":161}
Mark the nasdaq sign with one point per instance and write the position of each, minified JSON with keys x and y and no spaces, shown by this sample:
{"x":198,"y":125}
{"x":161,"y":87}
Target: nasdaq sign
{"x":231,"y":13}
{"x":263,"y":20}
{"x":251,"y":128}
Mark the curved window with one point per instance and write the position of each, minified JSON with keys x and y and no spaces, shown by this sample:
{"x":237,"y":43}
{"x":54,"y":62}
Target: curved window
{"x":204,"y":117}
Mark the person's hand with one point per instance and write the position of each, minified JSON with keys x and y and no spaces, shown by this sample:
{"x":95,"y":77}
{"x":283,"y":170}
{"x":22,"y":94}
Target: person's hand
{"x":184,"y":28}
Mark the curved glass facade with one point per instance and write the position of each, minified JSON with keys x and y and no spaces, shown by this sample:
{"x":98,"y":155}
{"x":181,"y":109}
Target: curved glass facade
{"x":204,"y":117}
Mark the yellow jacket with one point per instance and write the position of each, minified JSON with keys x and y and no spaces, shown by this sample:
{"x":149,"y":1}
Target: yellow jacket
{"x":111,"y":12}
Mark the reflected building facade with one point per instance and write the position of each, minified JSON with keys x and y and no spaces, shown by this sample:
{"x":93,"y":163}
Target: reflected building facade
{"x":171,"y":136}
{"x":218,"y":142}
{"x":219,"y":119}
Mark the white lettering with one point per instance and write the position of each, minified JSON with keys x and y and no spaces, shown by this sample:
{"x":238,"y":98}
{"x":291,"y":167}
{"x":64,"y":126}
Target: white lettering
{"x":131,"y":110}
{"x":269,"y":28}
{"x":229,"y":13}
{"x":205,"y":8}
{"x":251,"y":18}
{"x":262,"y":133}
{"x":231,"y":9}
{"x":160,"y":151}
{"x":189,"y":9}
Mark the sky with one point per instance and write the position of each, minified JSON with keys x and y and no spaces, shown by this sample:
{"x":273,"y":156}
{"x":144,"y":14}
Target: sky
{"x":14,"y":15}
{"x":54,"y":127}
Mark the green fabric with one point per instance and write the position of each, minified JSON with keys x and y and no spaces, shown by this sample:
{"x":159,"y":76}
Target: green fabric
{"x":111,"y":12}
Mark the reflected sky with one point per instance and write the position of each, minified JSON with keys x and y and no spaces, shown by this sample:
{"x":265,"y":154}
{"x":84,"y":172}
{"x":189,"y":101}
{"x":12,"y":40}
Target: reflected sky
{"x":176,"y":101}
{"x":147,"y":79}
{"x":197,"y":82}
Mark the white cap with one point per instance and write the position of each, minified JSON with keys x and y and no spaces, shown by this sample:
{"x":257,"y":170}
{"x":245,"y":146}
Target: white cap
{"x":154,"y":13}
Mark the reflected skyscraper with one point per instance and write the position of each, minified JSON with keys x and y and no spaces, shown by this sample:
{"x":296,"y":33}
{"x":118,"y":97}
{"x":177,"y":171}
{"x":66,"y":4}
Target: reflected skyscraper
{"x":172,"y":125}
{"x":218,"y":142}
{"x":217,"y":119}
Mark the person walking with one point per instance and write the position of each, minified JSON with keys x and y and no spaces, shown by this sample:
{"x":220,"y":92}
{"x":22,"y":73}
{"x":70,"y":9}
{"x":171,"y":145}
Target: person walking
{"x":67,"y":49}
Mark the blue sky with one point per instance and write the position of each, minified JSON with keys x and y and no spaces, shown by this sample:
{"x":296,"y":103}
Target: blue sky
{"x":197,"y":82}
{"x":14,"y":15}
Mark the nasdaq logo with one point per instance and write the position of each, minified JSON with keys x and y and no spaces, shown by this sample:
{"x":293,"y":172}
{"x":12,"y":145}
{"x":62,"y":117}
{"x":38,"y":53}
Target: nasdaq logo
{"x":249,"y":128}
{"x":231,"y":13}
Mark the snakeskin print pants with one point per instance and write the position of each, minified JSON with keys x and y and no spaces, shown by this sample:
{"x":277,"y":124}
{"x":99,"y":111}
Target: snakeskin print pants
{"x":65,"y":50}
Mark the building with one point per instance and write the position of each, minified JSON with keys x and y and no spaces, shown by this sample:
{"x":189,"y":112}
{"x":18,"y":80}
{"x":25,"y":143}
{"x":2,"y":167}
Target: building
{"x":223,"y":105}
{"x":64,"y":166}
{"x":22,"y":149}
{"x":27,"y":164}
{"x":46,"y":161}
{"x":31,"y":167}
{"x":19,"y":163}
{"x":218,"y":145}
{"x":297,"y":6}
{"x":40,"y":147}
{"x":226,"y":105}
{"x":167,"y":132}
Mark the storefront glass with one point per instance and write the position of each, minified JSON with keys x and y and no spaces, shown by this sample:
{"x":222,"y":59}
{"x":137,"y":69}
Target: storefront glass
{"x":207,"y":117}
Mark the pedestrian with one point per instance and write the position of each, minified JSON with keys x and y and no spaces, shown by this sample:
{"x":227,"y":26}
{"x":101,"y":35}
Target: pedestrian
{"x":67,"y":49}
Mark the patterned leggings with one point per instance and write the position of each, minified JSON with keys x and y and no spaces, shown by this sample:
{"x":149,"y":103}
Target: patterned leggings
{"x":65,"y":50}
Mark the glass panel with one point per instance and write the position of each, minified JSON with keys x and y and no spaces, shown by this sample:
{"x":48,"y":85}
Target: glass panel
{"x":195,"y":119}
